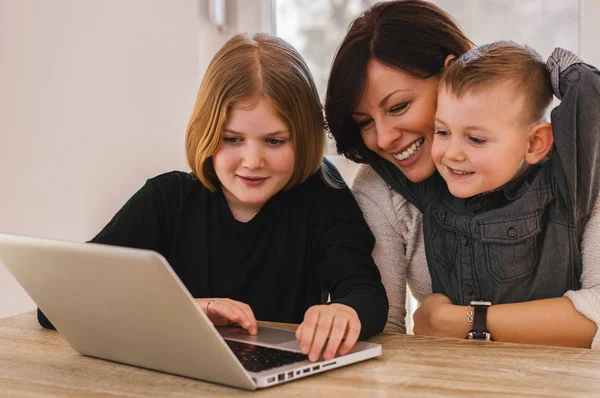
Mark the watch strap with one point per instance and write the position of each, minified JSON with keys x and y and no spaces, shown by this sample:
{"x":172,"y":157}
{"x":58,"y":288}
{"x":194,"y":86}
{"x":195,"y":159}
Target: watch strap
{"x":479,"y":331}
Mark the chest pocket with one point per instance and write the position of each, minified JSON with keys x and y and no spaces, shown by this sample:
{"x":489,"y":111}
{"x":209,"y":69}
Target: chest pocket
{"x":510,"y":246}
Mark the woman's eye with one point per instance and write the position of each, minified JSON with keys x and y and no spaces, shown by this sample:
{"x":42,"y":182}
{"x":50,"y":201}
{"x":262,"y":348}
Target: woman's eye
{"x":232,"y":140}
{"x":275,"y":141}
{"x":398,"y":108}
{"x":477,"y":141}
{"x":442,"y":133}
{"x":363,"y":124}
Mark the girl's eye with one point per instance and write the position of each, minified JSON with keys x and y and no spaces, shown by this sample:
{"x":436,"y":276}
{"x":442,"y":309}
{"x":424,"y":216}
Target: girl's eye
{"x":399,"y":108}
{"x":477,"y":141}
{"x":442,"y":133}
{"x":232,"y":140}
{"x":275,"y":141}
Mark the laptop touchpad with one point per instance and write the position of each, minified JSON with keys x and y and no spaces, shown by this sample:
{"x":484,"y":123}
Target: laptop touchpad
{"x":265,"y":335}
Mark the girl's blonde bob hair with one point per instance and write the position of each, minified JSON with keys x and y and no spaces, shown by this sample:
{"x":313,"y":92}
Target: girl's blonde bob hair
{"x":246,"y":69}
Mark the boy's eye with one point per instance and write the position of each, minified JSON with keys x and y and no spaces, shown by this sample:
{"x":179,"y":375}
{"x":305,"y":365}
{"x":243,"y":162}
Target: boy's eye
{"x":275,"y":141}
{"x":442,"y":133}
{"x":477,"y":141}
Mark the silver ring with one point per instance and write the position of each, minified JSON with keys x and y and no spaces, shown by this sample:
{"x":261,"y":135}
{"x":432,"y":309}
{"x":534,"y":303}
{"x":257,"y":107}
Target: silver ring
{"x":209,"y":302}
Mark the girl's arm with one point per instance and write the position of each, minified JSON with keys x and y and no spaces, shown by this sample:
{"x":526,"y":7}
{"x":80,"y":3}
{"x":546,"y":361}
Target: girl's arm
{"x":344,"y":266}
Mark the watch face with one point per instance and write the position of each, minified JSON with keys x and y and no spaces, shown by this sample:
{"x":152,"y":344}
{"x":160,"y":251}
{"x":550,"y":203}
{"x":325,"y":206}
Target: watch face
{"x":487,"y":303}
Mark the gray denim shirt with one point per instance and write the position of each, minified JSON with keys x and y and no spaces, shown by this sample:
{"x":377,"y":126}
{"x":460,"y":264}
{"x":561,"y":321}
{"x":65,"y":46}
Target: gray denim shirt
{"x":522,"y":241}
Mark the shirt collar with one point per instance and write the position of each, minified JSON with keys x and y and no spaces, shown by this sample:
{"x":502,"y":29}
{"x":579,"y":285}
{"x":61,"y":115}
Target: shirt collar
{"x":518,"y":186}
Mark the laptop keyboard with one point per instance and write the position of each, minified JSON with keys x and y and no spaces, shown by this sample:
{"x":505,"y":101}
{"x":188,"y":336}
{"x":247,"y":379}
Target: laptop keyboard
{"x":256,"y":358}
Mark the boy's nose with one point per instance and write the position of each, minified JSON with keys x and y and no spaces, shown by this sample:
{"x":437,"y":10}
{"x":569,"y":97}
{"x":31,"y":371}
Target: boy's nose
{"x":454,"y":151}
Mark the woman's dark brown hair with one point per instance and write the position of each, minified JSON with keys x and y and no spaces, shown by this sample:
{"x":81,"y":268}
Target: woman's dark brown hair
{"x":414,"y":36}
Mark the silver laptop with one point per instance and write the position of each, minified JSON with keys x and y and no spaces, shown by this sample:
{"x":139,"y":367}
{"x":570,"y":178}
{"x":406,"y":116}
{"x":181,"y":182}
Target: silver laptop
{"x":128,"y":305}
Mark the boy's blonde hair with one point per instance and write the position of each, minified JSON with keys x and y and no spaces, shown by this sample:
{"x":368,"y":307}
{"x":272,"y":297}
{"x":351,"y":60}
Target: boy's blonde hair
{"x":246,"y":69}
{"x":503,"y":63}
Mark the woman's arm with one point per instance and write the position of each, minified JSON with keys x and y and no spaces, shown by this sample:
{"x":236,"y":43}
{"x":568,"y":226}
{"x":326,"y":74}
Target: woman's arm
{"x":587,"y":300}
{"x":397,"y":226}
{"x":576,"y":130}
{"x":564,"y":321}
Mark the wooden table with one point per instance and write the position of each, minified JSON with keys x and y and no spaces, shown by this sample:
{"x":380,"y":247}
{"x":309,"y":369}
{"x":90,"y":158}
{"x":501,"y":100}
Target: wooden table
{"x":39,"y":363}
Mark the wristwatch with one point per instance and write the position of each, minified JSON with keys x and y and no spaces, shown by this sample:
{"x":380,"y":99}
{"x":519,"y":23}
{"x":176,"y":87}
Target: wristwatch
{"x":479,"y":331}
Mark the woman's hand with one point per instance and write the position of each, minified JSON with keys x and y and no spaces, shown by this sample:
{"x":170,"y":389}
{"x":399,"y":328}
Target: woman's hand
{"x":335,"y":322}
{"x":224,"y":311}
{"x":437,"y":316}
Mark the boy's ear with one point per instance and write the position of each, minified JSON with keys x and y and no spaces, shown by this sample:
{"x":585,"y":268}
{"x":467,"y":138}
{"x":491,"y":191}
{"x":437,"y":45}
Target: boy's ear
{"x":540,"y":142}
{"x":449,"y":60}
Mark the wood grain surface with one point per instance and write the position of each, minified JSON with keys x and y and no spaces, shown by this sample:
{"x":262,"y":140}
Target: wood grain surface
{"x":39,"y":363}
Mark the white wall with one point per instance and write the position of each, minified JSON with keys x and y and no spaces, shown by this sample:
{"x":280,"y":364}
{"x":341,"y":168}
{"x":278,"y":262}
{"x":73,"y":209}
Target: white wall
{"x":94,"y":99}
{"x":589,"y":31}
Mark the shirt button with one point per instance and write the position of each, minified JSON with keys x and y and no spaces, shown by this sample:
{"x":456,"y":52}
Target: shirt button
{"x":464,"y":241}
{"x":477,"y":206}
{"x":443,"y":216}
{"x":512,"y":232}
{"x":469,"y":289}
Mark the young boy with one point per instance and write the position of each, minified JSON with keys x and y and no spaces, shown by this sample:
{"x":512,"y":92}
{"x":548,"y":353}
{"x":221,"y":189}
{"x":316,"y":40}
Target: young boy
{"x":505,"y":222}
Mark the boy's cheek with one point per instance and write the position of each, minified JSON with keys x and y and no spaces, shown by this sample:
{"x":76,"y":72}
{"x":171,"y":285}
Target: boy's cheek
{"x":437,"y":152}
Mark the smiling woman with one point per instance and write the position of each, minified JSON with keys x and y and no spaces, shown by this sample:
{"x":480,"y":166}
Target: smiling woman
{"x":395,"y":116}
{"x":403,"y":111}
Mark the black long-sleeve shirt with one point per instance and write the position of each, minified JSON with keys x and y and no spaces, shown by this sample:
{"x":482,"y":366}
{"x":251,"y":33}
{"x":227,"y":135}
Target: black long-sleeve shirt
{"x":304,"y":243}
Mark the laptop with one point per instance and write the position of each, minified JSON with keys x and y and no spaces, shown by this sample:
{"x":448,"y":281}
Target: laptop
{"x":128,"y":305}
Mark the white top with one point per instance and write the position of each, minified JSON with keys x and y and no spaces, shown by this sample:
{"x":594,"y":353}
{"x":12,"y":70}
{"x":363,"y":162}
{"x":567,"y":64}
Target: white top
{"x":400,"y":251}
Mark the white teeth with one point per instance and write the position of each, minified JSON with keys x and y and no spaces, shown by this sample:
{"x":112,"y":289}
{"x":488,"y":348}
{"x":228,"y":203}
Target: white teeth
{"x":460,"y":172}
{"x":411,"y":150}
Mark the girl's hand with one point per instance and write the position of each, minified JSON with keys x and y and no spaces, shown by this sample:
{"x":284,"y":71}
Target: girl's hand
{"x":335,"y":322}
{"x":224,"y":311}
